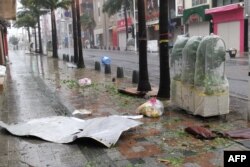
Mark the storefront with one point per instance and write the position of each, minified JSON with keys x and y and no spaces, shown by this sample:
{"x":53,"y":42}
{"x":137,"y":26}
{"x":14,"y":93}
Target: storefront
{"x":121,"y":32}
{"x":196,"y":21}
{"x":229,"y":24}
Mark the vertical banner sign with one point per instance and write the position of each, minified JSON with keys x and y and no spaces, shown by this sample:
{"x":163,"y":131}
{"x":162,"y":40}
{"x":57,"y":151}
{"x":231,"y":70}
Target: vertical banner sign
{"x":179,"y":7}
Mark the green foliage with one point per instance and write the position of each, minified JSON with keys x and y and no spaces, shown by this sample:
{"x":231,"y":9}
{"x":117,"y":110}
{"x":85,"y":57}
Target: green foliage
{"x":71,"y":83}
{"x":25,"y":21}
{"x":87,"y":21}
{"x":175,"y":161}
{"x":112,"y":7}
{"x":54,"y":4}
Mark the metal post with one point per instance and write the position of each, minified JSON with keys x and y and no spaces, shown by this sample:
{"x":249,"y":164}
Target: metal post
{"x":135,"y":27}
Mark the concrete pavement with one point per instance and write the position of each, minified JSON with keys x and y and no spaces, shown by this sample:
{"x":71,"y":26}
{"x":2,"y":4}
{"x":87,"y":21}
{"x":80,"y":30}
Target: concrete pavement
{"x":38,"y":86}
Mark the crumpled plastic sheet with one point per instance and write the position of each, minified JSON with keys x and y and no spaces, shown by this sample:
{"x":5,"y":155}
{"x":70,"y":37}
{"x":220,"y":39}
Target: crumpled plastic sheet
{"x":60,"y":129}
{"x":239,"y":134}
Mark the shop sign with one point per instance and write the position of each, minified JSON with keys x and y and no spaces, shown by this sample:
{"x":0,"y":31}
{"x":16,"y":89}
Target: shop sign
{"x":121,"y":24}
{"x":179,"y":7}
{"x":194,"y":18}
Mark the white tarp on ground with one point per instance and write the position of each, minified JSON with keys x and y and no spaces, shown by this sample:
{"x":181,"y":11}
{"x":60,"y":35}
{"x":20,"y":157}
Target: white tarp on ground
{"x":60,"y":129}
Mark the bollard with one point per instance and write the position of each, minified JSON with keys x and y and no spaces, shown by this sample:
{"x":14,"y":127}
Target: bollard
{"x":97,"y":66}
{"x":72,"y":59}
{"x":107,"y":69}
{"x":135,"y":77}
{"x":120,"y":73}
{"x":64,"y":57}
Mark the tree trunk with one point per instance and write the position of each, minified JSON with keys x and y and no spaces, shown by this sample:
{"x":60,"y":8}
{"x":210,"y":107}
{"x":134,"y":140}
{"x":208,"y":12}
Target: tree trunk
{"x":39,"y":36}
{"x":143,"y":84}
{"x":75,"y":37}
{"x":35,"y":39}
{"x":164,"y":86}
{"x":28,"y":30}
{"x":80,"y":63}
{"x":54,"y":34}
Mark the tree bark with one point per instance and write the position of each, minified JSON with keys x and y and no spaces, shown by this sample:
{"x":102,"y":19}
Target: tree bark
{"x":164,"y":86}
{"x":35,"y":39}
{"x":143,"y":84}
{"x":75,"y":37}
{"x":39,"y":36}
{"x":28,"y":30}
{"x":80,"y":63}
{"x":54,"y":34}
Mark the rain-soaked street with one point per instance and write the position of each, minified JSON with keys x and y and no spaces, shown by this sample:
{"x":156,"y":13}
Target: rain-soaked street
{"x":39,"y":86}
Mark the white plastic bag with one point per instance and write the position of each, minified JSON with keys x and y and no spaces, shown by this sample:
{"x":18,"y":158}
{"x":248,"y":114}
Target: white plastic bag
{"x":152,"y":108}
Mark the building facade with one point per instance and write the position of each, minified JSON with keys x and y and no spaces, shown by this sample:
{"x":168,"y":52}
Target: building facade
{"x":229,"y":23}
{"x":105,"y":26}
{"x":194,"y":18}
{"x":7,"y":12}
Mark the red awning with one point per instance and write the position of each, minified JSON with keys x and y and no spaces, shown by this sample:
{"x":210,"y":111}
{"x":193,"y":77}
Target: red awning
{"x":224,"y":8}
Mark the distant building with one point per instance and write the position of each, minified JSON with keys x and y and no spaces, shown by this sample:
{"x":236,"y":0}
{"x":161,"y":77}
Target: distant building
{"x":229,"y":22}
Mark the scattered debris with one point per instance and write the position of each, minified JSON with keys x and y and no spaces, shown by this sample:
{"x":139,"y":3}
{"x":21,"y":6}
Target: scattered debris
{"x":152,"y":108}
{"x":239,"y":134}
{"x":166,"y":161}
{"x":84,"y":82}
{"x":82,"y":112}
{"x":200,"y":132}
{"x":132,"y":91}
{"x":132,"y":116}
{"x":60,"y":129}
{"x":71,"y":65}
{"x":2,"y":70}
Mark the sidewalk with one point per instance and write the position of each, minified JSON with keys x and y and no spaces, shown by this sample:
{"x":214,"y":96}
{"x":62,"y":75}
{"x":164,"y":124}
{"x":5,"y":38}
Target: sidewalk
{"x":42,"y":87}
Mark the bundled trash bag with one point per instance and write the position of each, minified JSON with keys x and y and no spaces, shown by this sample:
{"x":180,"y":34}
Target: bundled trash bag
{"x":84,"y":82}
{"x":152,"y":108}
{"x":106,"y":60}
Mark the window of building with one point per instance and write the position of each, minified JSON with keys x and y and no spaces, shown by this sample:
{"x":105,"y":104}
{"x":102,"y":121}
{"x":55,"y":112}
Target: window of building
{"x":217,"y":3}
{"x":198,"y":2}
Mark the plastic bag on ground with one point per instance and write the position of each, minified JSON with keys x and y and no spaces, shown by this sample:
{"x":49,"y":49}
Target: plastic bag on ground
{"x":106,"y":60}
{"x":152,"y":108}
{"x":84,"y":82}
